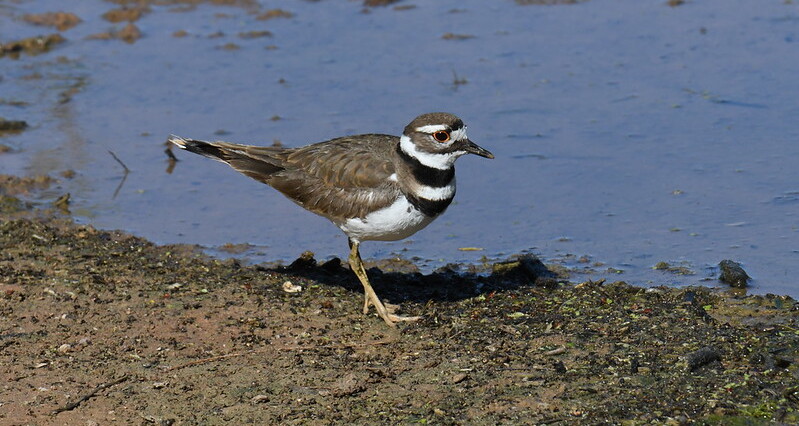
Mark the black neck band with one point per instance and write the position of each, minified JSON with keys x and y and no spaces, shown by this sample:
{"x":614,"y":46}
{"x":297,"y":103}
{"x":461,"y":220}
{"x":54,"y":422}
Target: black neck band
{"x":425,"y":175}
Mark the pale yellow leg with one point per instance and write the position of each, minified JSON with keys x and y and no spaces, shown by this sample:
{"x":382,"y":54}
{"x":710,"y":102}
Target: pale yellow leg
{"x":370,"y":297}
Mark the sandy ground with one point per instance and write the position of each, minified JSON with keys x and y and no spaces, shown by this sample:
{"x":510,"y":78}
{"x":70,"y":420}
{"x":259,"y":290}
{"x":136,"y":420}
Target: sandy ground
{"x":100,"y":326}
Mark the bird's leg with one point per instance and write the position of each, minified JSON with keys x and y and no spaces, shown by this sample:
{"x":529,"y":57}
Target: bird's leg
{"x":370,"y":297}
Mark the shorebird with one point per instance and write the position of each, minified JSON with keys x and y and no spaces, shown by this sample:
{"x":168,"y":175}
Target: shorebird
{"x":372,"y":186}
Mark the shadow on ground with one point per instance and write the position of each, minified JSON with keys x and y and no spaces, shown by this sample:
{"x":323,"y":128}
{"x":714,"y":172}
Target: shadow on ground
{"x":446,"y":284}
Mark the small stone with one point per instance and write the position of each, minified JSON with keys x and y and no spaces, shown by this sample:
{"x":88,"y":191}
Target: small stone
{"x":459,"y":378}
{"x":66,"y":347}
{"x":62,"y":21}
{"x":702,"y":357}
{"x":661,"y":266}
{"x":451,"y":36}
{"x":289,"y":287}
{"x":557,"y":351}
{"x":274,"y":13}
{"x":230,"y":46}
{"x":376,"y":3}
{"x":306,"y":261}
{"x":129,"y":34}
{"x":254,"y":34}
{"x":733,"y":274}
{"x":12,"y":125}
{"x":332,"y":266}
{"x":259,"y":399}
{"x":62,"y":203}
{"x":524,"y":268}
{"x":160,"y":385}
{"x":125,"y":14}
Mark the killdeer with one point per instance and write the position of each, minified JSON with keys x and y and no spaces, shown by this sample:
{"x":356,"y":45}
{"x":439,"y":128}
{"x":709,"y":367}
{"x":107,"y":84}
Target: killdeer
{"x":372,"y":186}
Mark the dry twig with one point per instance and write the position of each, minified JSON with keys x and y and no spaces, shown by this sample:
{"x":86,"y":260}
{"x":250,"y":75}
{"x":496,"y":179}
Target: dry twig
{"x":93,"y":392}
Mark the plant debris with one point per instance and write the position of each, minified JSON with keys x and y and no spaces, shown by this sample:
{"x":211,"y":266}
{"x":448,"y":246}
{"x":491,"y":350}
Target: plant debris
{"x":31,"y":45}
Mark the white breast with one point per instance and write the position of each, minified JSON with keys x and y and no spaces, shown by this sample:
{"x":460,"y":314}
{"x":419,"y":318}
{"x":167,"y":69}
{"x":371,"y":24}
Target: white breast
{"x":395,"y":222}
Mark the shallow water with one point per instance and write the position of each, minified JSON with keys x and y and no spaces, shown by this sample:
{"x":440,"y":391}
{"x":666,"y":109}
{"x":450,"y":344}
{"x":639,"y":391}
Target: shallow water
{"x":626,"y":133}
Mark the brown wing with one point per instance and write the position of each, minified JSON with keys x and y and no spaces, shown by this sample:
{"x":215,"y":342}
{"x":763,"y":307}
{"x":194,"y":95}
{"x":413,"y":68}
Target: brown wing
{"x":363,"y":161}
{"x":341,"y":178}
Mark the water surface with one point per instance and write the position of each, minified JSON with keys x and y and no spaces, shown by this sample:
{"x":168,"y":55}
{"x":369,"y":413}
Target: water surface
{"x":626,"y":133}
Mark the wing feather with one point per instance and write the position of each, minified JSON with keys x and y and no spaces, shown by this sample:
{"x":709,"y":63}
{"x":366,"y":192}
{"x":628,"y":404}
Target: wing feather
{"x":342,"y":178}
{"x":339,"y":179}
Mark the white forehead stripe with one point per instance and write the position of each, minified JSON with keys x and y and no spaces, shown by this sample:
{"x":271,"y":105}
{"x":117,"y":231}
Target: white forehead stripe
{"x":436,"y":194}
{"x":456,"y":135}
{"x":441,"y":161}
{"x":432,"y":128}
{"x":459,"y":135}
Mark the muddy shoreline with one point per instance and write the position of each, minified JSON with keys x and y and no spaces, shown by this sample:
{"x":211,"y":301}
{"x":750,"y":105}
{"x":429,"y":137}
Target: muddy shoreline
{"x":101,"y":326}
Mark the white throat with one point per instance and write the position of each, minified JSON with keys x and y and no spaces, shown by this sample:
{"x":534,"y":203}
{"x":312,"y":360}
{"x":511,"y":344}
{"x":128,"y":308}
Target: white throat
{"x":442,"y":161}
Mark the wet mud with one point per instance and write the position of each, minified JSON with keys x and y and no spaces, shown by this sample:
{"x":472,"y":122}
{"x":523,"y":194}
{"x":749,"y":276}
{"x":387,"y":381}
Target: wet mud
{"x":101,"y":326}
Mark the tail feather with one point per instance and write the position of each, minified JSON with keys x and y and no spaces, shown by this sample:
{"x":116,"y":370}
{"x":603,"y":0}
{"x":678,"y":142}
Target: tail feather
{"x":206,"y":149}
{"x":257,"y":165}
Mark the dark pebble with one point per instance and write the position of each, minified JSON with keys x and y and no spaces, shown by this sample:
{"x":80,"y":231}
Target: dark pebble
{"x":306,"y":261}
{"x":770,"y":362}
{"x":702,"y":357}
{"x":332,"y":266}
{"x":527,"y":268}
{"x":12,"y":125}
{"x":733,"y":274}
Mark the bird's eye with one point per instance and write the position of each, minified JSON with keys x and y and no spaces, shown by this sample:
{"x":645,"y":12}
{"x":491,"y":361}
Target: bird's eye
{"x":441,"y":136}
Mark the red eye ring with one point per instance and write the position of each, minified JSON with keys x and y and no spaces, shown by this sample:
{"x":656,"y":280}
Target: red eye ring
{"x":441,"y":136}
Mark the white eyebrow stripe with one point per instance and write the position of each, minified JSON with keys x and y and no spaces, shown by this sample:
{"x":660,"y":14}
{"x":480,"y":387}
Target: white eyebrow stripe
{"x":432,"y":128}
{"x":441,"y":161}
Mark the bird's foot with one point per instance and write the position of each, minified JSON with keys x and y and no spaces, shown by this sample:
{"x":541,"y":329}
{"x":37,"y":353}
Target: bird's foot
{"x":390,"y":317}
{"x":398,"y":318}
{"x":387,"y":311}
